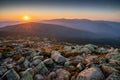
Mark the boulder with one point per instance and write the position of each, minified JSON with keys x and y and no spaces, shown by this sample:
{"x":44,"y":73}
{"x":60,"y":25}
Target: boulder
{"x":27,"y":74}
{"x":62,"y":74}
{"x":48,"y":61}
{"x":101,"y":50}
{"x":57,"y":57}
{"x":78,"y":47}
{"x":92,"y":73}
{"x":85,"y":50}
{"x":67,"y":48}
{"x":36,"y":62}
{"x":33,"y":54}
{"x":91,"y":47}
{"x":11,"y":75}
{"x":41,"y":68}
{"x":77,"y":59}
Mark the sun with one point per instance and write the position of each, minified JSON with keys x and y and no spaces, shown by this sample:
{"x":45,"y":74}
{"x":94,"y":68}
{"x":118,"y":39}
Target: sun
{"x":26,"y":18}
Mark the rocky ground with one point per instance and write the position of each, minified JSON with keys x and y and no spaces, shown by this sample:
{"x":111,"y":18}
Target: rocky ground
{"x":61,"y":62}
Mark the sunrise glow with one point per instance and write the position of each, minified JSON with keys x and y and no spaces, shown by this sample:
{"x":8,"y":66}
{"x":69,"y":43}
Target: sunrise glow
{"x":26,"y":18}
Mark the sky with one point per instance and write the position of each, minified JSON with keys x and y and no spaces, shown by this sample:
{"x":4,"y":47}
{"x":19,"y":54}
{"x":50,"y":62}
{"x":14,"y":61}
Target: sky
{"x":52,"y":9}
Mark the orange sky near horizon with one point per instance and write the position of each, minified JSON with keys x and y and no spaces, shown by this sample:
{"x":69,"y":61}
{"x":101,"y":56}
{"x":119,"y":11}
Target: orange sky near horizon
{"x":53,"y":13}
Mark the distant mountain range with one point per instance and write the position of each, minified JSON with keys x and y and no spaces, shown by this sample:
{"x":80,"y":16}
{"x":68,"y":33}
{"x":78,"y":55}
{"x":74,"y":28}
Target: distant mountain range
{"x":105,"y":28}
{"x":45,"y":30}
{"x":69,"y":30}
{"x":7,"y":23}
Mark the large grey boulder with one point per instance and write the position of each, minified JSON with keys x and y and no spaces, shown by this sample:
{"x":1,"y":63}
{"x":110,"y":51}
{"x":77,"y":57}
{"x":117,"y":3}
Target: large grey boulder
{"x":57,"y":57}
{"x":92,"y":73}
{"x":11,"y":75}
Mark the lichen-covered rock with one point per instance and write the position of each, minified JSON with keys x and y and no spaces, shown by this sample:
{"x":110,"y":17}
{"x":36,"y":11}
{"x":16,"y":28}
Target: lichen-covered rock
{"x":33,"y":54}
{"x":113,"y":56}
{"x":57,"y":57}
{"x":41,"y":68}
{"x":62,"y":74}
{"x":48,"y":61}
{"x":101,"y":50}
{"x":11,"y":75}
{"x":91,"y":47}
{"x":85,"y":50}
{"x":92,"y":73}
{"x":36,"y":62}
{"x":78,"y":47}
{"x":67,"y":48}
{"x":27,"y":74}
{"x":38,"y":77}
{"x":114,"y":76}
